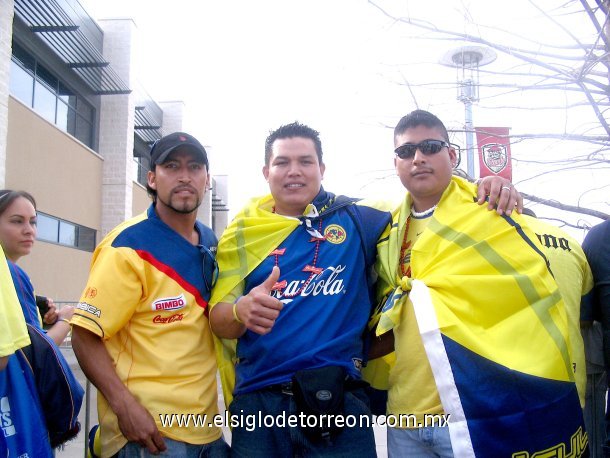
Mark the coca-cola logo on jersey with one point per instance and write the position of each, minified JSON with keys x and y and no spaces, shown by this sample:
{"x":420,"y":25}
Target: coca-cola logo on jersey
{"x":168,"y":319}
{"x":328,"y":286}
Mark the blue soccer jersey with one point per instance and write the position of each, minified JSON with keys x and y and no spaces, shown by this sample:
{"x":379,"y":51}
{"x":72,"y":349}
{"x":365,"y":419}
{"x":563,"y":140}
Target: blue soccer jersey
{"x":325,"y":289}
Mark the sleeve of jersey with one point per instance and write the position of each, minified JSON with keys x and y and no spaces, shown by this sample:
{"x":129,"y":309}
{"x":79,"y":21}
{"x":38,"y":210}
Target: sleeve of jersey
{"x":13,"y":332}
{"x":114,"y":290}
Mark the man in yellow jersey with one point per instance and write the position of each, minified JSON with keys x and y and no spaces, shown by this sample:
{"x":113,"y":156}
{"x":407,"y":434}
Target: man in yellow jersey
{"x":141,"y":331}
{"x":467,"y":297}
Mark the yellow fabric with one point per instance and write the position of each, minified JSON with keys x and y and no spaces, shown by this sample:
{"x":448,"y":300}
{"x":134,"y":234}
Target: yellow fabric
{"x":13,"y":332}
{"x":574,"y":279}
{"x":147,"y":352}
{"x":485,"y":280}
{"x":416,"y":392}
{"x":245,"y":243}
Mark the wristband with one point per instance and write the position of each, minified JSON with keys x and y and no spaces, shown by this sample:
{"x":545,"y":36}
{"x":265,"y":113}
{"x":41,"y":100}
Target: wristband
{"x":235,"y":314}
{"x":65,"y":320}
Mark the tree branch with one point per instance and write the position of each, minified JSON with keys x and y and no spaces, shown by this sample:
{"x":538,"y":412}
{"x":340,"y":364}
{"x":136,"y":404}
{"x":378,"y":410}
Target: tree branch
{"x":566,"y":207}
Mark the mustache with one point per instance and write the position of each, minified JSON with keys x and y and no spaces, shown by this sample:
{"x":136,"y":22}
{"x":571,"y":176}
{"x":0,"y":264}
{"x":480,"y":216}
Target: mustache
{"x":184,"y":187}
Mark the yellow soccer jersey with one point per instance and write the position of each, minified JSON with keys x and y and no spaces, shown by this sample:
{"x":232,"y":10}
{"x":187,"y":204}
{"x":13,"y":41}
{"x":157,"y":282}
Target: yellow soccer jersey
{"x":574,"y":279}
{"x":412,"y":387}
{"x":146,"y":298}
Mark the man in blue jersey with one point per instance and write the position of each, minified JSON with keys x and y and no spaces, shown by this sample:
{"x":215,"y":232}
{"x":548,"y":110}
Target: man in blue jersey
{"x":295,"y":290}
{"x":141,"y":331}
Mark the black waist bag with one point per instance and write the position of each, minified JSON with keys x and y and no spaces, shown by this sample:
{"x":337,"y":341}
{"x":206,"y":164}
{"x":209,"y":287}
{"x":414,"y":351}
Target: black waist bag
{"x":319,"y":393}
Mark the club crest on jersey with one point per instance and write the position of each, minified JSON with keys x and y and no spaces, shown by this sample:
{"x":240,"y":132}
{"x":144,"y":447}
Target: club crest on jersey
{"x":335,"y":234}
{"x":169,"y":303}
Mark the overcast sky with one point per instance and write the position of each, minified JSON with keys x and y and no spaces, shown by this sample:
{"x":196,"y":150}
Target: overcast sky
{"x":243,"y":68}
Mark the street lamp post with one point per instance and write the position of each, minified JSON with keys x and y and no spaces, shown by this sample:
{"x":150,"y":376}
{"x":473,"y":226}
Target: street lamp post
{"x":467,"y":60}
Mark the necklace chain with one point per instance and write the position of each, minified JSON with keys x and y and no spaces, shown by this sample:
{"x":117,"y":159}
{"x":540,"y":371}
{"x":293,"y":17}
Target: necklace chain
{"x":424,"y":213}
{"x":404,"y":247}
{"x":308,"y":268}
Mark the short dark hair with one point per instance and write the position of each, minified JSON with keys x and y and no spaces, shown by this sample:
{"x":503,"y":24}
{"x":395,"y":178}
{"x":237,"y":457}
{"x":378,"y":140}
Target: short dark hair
{"x":8,"y":196}
{"x":420,"y":118}
{"x":292,"y":130}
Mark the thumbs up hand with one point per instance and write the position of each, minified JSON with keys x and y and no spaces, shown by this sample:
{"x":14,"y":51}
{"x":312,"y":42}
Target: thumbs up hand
{"x":257,"y":309}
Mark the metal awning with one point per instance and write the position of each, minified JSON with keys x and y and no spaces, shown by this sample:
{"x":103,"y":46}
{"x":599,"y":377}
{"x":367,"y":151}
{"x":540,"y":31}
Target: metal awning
{"x":148,"y":117}
{"x":49,"y":21}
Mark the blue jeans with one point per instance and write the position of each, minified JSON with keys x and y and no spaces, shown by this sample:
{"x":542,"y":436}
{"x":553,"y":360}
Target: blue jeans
{"x":252,"y":440}
{"x":429,"y":441}
{"x":595,"y":406}
{"x":177,"y":449}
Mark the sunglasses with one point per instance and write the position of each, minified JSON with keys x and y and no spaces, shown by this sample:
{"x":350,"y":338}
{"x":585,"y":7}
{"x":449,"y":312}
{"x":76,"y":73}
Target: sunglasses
{"x":427,"y":147}
{"x":209,"y":265}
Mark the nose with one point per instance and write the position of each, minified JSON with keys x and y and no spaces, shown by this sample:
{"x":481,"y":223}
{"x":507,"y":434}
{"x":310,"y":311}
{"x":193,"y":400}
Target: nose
{"x":29,"y":228}
{"x":185,"y":175}
{"x":294,"y":169}
{"x":419,"y":157}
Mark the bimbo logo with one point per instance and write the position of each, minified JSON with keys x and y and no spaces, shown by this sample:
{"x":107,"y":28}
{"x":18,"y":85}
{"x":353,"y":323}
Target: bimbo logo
{"x":169,"y":303}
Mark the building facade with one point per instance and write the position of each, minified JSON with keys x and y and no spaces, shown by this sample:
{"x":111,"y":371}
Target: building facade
{"x":75,"y":127}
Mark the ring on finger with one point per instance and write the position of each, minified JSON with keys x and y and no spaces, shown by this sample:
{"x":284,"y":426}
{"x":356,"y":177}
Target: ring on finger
{"x":506,"y":187}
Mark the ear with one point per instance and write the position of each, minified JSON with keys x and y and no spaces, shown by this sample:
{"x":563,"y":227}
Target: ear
{"x":266,"y":172}
{"x":322,"y":170}
{"x":395,"y":165}
{"x":151,"y":178}
{"x":452,"y":157}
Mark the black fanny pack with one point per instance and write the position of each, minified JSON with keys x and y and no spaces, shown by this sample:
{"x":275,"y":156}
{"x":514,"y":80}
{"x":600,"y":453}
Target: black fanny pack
{"x":319,"y":393}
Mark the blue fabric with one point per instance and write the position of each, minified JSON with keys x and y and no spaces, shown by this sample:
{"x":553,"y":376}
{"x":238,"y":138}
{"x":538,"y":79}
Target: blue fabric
{"x":59,"y":393}
{"x":175,"y":252}
{"x":23,"y":425}
{"x":324,"y":324}
{"x":251,"y":440}
{"x":484,"y":385}
{"x":25,"y":293}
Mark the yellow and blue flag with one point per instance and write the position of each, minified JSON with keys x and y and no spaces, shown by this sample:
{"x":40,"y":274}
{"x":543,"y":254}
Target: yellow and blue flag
{"x":493,"y":325}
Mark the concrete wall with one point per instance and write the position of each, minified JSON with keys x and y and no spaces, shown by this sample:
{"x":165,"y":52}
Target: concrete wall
{"x":65,"y":177}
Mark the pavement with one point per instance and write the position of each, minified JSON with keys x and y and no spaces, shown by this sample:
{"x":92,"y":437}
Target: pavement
{"x":88,"y":416}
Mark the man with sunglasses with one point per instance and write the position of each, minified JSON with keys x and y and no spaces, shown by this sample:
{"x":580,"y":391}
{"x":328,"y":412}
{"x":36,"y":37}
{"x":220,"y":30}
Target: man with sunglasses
{"x":295,"y":290}
{"x":482,"y":365}
{"x":141,"y":331}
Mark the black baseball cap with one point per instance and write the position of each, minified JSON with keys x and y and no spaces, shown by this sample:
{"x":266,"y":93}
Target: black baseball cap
{"x":164,"y":146}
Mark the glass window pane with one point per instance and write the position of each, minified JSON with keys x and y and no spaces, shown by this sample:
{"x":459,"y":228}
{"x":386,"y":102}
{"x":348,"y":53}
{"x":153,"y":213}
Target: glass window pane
{"x":67,"y":233}
{"x":66,"y":95}
{"x":23,"y":57}
{"x":47,"y":227}
{"x":42,"y":74}
{"x":83,"y":131}
{"x":44,"y":102}
{"x":62,"y":116}
{"x":21,"y":84}
{"x":86,"y":238}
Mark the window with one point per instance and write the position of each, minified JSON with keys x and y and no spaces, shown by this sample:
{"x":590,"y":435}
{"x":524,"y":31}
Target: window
{"x":41,"y":90}
{"x":56,"y":230}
